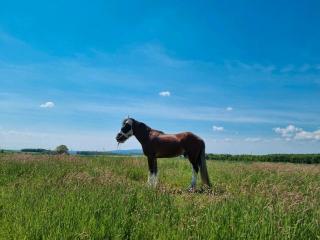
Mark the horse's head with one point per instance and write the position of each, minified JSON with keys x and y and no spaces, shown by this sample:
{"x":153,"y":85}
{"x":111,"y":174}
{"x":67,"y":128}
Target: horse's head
{"x":126,"y":130}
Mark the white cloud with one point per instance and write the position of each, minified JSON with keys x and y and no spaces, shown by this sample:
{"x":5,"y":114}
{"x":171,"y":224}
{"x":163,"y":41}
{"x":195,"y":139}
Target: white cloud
{"x":304,"y":135}
{"x":253,"y":139}
{"x":288,"y":131}
{"x":165,"y":94}
{"x":218,"y":129}
{"x":254,"y":67}
{"x":294,"y":133}
{"x":229,"y":108}
{"x":47,"y":105}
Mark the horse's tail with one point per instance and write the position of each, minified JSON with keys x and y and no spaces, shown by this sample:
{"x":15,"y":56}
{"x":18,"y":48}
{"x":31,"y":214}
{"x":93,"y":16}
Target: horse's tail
{"x":203,"y":168}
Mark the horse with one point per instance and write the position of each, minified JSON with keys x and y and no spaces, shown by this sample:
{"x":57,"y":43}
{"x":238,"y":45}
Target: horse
{"x":156,"y":144}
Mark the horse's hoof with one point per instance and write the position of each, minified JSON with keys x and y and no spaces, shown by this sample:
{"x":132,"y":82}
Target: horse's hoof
{"x":151,"y":185}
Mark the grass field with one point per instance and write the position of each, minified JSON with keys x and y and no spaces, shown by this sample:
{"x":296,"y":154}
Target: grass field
{"x":69,"y":197}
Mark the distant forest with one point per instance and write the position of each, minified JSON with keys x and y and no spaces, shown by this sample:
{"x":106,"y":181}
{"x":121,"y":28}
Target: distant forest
{"x":292,"y":158}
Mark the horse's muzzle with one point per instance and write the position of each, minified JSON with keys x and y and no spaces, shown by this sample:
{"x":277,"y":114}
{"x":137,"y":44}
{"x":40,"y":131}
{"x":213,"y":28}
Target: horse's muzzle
{"x":120,"y":138}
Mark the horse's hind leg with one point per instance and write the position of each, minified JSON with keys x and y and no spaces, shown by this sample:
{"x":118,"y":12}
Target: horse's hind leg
{"x":193,"y":180}
{"x":195,"y":170}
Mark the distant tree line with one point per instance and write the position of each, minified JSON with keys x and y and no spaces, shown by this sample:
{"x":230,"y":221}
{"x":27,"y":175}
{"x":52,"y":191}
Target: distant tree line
{"x":35,"y":150}
{"x":292,"y":158}
{"x":61,"y":149}
{"x":93,"y":153}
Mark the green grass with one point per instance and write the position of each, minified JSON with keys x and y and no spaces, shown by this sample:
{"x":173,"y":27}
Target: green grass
{"x":67,"y":197}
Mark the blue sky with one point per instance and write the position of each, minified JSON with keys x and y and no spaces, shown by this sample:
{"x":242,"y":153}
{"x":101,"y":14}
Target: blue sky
{"x":243,"y":75}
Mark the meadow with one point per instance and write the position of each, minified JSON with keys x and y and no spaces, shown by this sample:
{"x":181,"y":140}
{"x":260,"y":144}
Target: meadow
{"x":106,"y":197}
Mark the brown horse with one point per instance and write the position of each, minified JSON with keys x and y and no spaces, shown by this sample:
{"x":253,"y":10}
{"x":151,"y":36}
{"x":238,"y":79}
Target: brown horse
{"x":157,"y":144}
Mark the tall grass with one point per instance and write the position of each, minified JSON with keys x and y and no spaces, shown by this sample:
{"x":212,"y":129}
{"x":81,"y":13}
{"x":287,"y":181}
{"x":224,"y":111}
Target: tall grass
{"x":66,"y":197}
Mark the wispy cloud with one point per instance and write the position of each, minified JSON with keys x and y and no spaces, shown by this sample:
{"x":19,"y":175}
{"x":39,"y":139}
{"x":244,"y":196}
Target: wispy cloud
{"x":165,"y":94}
{"x":47,"y":105}
{"x":229,"y":108}
{"x":256,"y":139}
{"x":195,"y":113}
{"x":11,"y":48}
{"x":251,"y":67}
{"x":287,"y":69}
{"x":271,"y":68}
{"x":304,"y":68}
{"x":218,"y":129}
{"x":158,"y":54}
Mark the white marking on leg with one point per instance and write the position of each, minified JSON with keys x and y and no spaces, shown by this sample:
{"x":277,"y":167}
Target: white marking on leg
{"x":153,"y":179}
{"x":150,"y":179}
{"x":194,"y":179}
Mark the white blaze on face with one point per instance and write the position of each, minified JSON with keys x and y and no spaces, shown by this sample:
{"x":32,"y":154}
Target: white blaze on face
{"x":126,"y":129}
{"x":128,"y":121}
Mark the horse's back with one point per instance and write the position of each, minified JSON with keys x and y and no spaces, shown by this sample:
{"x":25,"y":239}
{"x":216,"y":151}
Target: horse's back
{"x":183,"y":137}
{"x":190,"y":138}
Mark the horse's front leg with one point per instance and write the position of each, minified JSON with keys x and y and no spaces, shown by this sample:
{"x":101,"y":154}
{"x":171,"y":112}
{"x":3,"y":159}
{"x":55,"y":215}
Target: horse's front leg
{"x":153,"y":170}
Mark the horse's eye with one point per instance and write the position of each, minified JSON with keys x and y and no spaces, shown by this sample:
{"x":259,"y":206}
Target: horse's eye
{"x":126,"y":128}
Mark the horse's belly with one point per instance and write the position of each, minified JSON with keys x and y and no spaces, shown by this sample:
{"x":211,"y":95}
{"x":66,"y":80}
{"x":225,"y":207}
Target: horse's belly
{"x":168,"y":150}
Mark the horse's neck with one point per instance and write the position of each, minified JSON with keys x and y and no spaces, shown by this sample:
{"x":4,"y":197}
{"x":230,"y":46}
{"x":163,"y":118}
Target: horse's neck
{"x":141,"y":132}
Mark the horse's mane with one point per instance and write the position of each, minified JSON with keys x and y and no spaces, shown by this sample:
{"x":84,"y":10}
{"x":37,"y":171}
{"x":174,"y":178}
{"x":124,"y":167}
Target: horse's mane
{"x":152,"y":130}
{"x":147,"y":128}
{"x":158,"y":131}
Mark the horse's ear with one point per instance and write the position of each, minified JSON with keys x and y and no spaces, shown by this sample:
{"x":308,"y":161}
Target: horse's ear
{"x":124,"y":120}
